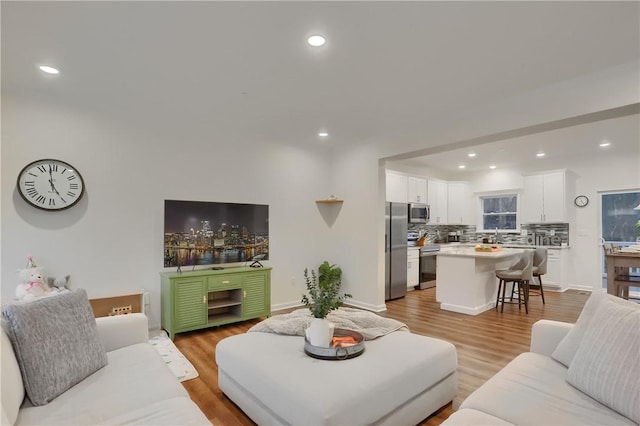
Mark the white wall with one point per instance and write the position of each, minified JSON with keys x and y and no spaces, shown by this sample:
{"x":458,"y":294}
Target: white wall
{"x":111,"y":242}
{"x":594,"y":176}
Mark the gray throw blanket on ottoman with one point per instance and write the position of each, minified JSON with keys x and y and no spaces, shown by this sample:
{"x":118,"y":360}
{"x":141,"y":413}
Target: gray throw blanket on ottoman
{"x":366,"y":323}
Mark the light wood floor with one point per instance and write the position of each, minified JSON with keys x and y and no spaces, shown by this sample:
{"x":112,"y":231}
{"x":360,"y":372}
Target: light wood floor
{"x":485,"y":343}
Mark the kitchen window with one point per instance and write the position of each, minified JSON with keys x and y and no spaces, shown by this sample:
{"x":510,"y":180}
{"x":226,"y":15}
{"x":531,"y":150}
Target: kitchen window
{"x":499,"y":211}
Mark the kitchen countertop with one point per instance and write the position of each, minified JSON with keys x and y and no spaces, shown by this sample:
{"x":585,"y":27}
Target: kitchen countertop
{"x":506,"y":245}
{"x":469,"y":251}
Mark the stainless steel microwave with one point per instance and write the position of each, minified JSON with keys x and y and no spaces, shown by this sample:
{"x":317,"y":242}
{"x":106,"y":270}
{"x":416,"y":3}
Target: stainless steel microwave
{"x":418,"y":213}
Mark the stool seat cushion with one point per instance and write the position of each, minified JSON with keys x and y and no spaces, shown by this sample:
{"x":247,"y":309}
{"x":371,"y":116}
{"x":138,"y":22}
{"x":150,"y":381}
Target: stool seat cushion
{"x":509,"y":274}
{"x":298,"y":389}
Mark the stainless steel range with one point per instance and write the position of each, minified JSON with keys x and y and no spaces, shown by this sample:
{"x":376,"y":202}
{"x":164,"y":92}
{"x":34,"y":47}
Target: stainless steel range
{"x":428,"y":255}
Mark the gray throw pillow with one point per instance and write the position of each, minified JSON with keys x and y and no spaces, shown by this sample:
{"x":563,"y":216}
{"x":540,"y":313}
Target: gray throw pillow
{"x":606,"y":365}
{"x":56,"y":343}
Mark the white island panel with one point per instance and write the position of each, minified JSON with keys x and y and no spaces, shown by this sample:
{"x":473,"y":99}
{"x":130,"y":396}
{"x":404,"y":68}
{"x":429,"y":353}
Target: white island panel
{"x":466,"y":279}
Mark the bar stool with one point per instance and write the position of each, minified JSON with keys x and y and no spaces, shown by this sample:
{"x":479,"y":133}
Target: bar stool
{"x":520,"y":274}
{"x":539,"y":268}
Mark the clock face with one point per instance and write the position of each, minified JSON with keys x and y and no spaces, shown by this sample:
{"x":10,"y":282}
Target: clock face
{"x":581,"y":201}
{"x":50,"y":184}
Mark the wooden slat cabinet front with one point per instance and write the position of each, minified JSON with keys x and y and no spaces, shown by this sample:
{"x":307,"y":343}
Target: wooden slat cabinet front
{"x":207,"y":298}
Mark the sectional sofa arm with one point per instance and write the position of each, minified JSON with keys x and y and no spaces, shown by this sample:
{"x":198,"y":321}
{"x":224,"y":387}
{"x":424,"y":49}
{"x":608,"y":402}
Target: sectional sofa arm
{"x":123,"y":330}
{"x":547,"y":334}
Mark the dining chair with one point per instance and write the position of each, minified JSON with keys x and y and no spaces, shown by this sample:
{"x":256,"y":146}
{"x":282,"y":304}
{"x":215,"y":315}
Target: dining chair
{"x":622,"y":279}
{"x":521,"y":275}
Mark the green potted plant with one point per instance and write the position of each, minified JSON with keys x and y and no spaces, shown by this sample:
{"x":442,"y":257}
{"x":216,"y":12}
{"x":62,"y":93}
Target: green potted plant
{"x":324,"y":296}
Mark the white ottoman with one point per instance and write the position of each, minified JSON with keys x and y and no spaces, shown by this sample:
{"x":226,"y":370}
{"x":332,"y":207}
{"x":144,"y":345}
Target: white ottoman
{"x":401,"y":378}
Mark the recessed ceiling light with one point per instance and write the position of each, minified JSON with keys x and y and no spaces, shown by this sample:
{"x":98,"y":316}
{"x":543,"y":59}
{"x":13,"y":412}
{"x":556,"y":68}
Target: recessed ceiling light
{"x":471,"y":154}
{"x":461,"y":166}
{"x":316,"y":40}
{"x":605,"y":143}
{"x":323,"y":134}
{"x":492,"y":167}
{"x":48,"y":69}
{"x":540,"y":154}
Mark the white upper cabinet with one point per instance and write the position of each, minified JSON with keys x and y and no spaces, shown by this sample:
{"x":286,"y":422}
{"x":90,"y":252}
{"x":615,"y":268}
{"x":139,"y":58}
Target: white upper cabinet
{"x":545,"y":198}
{"x":417,"y":190}
{"x":437,"y":198}
{"x":396,"y":186}
{"x":460,"y":202}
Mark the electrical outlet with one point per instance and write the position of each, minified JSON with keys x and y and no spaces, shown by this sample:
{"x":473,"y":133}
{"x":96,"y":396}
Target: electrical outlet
{"x":121,"y":310}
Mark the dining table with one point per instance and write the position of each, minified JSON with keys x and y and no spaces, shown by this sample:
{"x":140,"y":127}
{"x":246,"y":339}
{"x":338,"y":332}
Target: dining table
{"x":620,"y":259}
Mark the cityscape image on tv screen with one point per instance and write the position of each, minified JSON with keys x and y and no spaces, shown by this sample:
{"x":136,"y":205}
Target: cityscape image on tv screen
{"x":207,"y":233}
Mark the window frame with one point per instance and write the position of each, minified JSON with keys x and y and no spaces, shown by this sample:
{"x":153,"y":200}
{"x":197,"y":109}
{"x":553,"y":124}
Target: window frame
{"x":497,"y":194}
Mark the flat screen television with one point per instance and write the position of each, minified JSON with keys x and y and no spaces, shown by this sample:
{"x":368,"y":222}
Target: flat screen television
{"x":210,"y":233}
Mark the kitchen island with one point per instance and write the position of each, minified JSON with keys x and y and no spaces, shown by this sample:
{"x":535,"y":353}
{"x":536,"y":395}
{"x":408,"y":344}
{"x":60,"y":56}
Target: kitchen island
{"x":466,"y":279}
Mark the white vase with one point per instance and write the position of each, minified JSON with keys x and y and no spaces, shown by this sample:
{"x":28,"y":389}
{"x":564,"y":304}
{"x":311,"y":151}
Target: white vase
{"x":320,"y":332}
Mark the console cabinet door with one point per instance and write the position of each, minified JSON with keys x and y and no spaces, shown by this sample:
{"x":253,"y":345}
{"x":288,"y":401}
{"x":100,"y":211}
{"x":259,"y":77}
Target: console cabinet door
{"x":256,"y":300}
{"x":190,"y":306}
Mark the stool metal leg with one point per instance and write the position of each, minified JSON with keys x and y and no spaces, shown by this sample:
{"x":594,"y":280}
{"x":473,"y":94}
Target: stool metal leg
{"x":503,"y":296}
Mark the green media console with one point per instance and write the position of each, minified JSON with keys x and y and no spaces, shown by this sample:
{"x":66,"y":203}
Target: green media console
{"x":206,"y":298}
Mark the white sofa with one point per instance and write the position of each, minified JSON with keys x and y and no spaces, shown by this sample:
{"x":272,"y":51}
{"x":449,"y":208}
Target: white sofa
{"x":534,"y":388}
{"x":135,"y":387}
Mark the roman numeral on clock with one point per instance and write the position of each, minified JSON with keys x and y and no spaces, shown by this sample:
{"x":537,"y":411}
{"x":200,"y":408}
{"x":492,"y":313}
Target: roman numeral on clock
{"x":73,"y":186}
{"x":52,"y":202}
{"x":41,"y":199}
{"x":32,"y":192}
{"x":43,"y":169}
{"x":54,"y":167}
{"x":71,"y":194}
{"x":71,"y":177}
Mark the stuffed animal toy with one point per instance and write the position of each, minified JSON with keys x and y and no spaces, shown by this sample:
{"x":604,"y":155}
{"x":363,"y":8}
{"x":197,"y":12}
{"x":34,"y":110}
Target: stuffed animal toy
{"x":33,"y":288}
{"x":59,"y":283}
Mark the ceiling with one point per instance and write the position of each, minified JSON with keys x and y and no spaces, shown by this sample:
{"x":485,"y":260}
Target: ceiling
{"x":241,"y":71}
{"x":562,"y":148}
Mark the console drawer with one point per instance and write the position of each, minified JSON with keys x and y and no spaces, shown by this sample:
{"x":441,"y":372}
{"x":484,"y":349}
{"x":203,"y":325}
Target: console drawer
{"x":220,"y":282}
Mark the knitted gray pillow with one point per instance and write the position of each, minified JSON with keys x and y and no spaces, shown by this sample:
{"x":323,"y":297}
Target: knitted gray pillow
{"x":56,"y":343}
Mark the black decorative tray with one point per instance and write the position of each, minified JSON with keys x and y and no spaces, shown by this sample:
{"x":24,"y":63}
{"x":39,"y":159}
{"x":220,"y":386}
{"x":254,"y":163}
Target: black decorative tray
{"x":344,"y":345}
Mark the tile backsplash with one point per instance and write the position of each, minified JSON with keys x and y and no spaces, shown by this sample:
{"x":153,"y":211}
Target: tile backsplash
{"x":551,"y":234}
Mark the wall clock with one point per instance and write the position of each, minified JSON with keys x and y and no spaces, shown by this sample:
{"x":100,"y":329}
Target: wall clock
{"x":581,"y":201}
{"x":50,"y":184}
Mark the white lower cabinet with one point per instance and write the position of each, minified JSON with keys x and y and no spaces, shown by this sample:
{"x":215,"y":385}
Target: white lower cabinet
{"x":557,"y":269}
{"x":413,"y":267}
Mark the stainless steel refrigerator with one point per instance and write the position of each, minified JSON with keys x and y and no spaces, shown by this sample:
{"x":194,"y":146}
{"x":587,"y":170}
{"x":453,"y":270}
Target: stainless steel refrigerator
{"x":396,"y":218}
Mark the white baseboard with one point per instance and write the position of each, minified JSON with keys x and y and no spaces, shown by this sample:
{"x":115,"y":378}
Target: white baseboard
{"x":286,"y":305}
{"x":367,"y":306}
{"x":580,"y":288}
{"x":349,"y":302}
{"x":466,"y":310}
